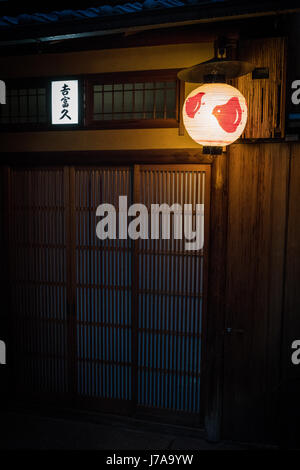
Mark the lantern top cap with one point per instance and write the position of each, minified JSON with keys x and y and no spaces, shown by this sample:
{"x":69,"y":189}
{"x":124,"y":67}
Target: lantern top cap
{"x":217,"y":68}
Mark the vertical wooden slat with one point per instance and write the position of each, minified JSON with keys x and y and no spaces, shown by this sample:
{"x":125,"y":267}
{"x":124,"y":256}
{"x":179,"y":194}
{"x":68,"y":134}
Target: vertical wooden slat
{"x":134,"y":302}
{"x":69,"y":186}
{"x":180,"y":100}
{"x":7,"y":322}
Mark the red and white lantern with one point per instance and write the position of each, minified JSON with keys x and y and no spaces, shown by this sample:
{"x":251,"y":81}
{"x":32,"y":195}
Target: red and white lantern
{"x":215,"y":114}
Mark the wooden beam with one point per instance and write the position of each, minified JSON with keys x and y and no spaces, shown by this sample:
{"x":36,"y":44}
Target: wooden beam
{"x":111,"y":157}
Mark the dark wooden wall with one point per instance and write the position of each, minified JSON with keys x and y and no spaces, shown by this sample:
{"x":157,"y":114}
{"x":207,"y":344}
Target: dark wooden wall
{"x":4,"y":305}
{"x":260,"y":385}
{"x":262,"y":296}
{"x":290,"y":406}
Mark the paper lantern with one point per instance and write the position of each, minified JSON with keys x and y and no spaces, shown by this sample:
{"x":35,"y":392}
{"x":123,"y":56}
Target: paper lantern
{"x":215,"y":114}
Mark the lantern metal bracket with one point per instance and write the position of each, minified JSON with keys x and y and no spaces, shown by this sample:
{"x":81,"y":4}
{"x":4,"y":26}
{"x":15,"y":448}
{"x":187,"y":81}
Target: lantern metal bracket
{"x":212,"y":150}
{"x":221,"y":67}
{"x":215,"y":70}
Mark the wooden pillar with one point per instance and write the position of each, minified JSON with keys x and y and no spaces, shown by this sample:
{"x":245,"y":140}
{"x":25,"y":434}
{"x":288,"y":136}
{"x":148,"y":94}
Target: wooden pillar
{"x":216,"y":296}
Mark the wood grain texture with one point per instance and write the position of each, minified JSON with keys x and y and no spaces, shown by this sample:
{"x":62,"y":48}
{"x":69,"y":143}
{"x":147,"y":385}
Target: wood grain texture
{"x":290,"y":409}
{"x":265,"y":97}
{"x":216,"y":297}
{"x":254,"y":290}
{"x":5,"y":292}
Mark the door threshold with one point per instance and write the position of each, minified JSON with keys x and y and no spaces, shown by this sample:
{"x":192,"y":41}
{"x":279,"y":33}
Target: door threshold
{"x":138,"y":420}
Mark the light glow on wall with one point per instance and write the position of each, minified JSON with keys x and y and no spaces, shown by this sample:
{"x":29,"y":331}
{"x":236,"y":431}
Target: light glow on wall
{"x":64,"y":102}
{"x":215,"y":114}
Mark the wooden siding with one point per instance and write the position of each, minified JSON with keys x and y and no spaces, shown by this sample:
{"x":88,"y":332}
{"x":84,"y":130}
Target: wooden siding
{"x":258,"y":191}
{"x":265,"y":97}
{"x":290,"y":409}
{"x":4,"y":310}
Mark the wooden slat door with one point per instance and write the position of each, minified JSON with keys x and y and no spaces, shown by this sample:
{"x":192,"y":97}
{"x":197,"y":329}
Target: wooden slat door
{"x":114,"y":324}
{"x":38,"y":279}
{"x":170,"y":292}
{"x":103,"y":287}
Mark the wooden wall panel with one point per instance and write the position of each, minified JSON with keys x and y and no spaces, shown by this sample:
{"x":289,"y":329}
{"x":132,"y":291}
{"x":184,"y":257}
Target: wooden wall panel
{"x":265,"y":97}
{"x":258,"y":176}
{"x":4,"y":288}
{"x":290,"y":407}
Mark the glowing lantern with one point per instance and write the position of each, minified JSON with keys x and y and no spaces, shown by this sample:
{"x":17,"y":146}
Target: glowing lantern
{"x":215,"y":114}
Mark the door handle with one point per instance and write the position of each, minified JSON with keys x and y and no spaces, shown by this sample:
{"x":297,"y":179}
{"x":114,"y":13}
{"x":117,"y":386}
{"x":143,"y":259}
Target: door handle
{"x":230,"y":330}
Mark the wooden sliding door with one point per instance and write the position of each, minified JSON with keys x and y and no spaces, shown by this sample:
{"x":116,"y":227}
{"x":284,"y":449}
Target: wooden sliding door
{"x":108,"y":324}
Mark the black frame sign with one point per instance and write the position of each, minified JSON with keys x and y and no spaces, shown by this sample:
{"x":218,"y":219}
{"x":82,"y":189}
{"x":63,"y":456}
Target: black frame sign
{"x":65,"y":103}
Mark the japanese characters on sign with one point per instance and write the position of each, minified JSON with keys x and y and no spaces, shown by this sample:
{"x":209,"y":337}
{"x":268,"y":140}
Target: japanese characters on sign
{"x":64,"y":105}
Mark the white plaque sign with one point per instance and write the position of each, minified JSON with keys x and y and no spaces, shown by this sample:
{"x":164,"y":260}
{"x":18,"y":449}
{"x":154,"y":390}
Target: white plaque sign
{"x":64,"y":102}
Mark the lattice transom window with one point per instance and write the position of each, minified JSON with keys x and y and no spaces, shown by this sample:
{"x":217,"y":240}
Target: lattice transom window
{"x":148,"y":100}
{"x":141,"y":99}
{"x":24,"y":105}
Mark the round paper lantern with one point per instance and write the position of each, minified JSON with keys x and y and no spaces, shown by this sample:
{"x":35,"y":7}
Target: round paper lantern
{"x":215,"y":114}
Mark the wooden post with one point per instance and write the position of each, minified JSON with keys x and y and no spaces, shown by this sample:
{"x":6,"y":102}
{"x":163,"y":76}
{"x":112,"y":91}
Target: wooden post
{"x":216,"y":296}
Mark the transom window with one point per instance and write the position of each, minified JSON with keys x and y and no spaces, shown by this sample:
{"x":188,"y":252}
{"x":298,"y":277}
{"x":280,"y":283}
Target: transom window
{"x":24,"y":105}
{"x":140,"y":99}
{"x":148,"y":100}
{"x":133,"y":99}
